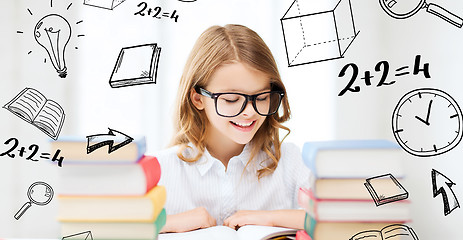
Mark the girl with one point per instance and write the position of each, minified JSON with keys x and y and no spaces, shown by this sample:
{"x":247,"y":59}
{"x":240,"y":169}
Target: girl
{"x":227,"y":164}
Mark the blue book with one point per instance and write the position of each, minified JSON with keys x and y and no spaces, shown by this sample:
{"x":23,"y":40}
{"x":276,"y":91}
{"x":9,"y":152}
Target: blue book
{"x":353,"y":158}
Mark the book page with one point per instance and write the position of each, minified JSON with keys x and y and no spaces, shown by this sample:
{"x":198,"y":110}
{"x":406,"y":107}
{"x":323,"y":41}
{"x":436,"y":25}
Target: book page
{"x":398,"y":232}
{"x":212,"y":233}
{"x":255,"y":232}
{"x":27,"y":104}
{"x":50,"y":119}
{"x":367,"y":235}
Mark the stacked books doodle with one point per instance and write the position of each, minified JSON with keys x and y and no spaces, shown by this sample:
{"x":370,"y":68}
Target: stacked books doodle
{"x":356,"y":188}
{"x":113,"y":195}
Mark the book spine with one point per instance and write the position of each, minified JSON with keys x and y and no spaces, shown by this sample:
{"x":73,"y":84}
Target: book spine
{"x":309,"y":153}
{"x":309,"y":225}
{"x":141,"y":147}
{"x":152,"y":170}
{"x":307,"y":201}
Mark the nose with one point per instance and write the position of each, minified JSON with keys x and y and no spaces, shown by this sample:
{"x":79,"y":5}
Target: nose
{"x":249,"y":109}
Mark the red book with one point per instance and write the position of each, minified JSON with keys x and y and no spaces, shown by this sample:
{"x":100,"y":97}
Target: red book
{"x":302,"y":235}
{"x":110,"y":179}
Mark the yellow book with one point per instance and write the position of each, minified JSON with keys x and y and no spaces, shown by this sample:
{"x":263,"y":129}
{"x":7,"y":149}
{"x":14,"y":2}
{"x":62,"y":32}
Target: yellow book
{"x":144,"y":208}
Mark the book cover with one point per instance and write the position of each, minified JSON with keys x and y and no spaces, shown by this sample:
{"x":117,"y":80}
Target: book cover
{"x":136,"y":65}
{"x":348,"y":210}
{"x":74,"y":149}
{"x":118,"y":230}
{"x":348,"y":188}
{"x":353,"y":158}
{"x":144,"y":208}
{"x":247,"y":232}
{"x":110,"y":179}
{"x":34,"y":108}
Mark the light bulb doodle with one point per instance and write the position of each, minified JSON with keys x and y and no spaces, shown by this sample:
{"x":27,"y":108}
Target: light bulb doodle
{"x":53,"y":33}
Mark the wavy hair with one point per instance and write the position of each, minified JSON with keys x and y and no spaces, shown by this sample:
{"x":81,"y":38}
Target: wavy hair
{"x":217,"y":46}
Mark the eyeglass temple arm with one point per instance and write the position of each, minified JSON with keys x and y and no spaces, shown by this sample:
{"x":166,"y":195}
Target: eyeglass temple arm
{"x":203,"y":91}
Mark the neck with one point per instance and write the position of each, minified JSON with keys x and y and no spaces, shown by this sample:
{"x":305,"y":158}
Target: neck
{"x":223,"y":149}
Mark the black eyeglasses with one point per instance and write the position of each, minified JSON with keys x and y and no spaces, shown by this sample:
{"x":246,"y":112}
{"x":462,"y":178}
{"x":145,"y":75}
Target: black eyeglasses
{"x":232,"y":104}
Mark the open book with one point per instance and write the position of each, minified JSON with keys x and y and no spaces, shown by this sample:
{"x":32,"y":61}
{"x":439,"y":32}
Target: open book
{"x":391,"y":232}
{"x":36,"y":109}
{"x":248,"y":232}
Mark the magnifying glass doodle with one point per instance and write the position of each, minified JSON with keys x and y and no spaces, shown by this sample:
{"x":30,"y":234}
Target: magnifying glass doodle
{"x":401,"y":9}
{"x":39,"y":193}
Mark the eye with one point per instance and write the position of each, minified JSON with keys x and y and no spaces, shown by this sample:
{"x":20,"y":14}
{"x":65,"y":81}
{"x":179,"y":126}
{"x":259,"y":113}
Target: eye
{"x":262,"y":97}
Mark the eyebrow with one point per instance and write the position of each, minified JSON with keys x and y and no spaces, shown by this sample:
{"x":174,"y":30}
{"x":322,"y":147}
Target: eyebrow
{"x":239,"y":91}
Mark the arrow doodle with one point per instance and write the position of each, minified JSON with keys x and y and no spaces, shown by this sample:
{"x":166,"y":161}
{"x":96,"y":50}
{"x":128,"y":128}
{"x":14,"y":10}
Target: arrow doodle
{"x":99,"y":140}
{"x":439,"y":181}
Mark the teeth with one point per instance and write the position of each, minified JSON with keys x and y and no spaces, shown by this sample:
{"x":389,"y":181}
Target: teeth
{"x":244,"y":125}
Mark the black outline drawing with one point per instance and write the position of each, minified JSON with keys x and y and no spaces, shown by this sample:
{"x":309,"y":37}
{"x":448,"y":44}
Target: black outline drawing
{"x":395,"y":9}
{"x":107,"y":139}
{"x":48,"y":193}
{"x":129,"y":71}
{"x":53,"y":33}
{"x":440,"y":189}
{"x":379,"y":234}
{"x":105,"y":4}
{"x":303,"y":46}
{"x":381,"y":197}
{"x":187,"y":0}
{"x":34,"y":148}
{"x":429,"y":95}
{"x":87,"y":234}
{"x":34,"y":108}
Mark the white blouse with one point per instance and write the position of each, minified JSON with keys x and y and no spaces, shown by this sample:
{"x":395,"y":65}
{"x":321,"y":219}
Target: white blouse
{"x":206,"y":183}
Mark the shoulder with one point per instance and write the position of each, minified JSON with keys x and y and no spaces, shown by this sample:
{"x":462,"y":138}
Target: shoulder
{"x":290,"y":151}
{"x":167,"y":156}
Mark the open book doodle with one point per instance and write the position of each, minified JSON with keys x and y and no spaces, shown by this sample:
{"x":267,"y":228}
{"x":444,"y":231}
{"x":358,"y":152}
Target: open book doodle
{"x":136,"y":65}
{"x":390,"y":232}
{"x":34,"y":108}
{"x":385,"y":189}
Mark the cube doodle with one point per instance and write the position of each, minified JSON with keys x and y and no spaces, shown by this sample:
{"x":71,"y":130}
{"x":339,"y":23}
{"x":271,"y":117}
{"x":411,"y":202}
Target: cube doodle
{"x":317,"y":31}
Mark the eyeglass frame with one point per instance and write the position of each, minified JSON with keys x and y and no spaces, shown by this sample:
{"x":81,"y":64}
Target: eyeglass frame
{"x":247,"y":97}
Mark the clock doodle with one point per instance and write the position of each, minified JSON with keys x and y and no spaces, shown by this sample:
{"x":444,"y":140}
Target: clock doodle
{"x":427,"y":122}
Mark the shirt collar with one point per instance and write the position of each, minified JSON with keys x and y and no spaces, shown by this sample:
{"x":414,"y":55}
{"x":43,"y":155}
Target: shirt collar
{"x":205,"y":163}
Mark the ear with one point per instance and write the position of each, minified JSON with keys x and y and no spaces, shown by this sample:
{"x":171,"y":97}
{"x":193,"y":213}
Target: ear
{"x":196,"y":99}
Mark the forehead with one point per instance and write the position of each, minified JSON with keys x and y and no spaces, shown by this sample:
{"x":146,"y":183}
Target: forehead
{"x":238,"y":77}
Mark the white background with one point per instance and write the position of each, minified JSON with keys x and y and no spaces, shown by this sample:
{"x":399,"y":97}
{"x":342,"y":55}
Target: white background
{"x":92,"y":106}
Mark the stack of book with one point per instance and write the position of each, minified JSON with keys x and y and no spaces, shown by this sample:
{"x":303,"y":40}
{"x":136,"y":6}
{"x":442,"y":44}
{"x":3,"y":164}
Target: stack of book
{"x":356,"y":188}
{"x":112,"y":194}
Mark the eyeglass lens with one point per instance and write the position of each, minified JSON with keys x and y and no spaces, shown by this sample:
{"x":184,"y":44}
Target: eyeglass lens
{"x":231,"y":104}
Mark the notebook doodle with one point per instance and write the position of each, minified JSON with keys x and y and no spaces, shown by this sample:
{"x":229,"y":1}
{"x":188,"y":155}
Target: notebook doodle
{"x":136,"y":65}
{"x":385,"y":189}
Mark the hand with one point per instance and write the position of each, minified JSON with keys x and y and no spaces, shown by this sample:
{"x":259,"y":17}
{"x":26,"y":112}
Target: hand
{"x":190,"y":220}
{"x":427,"y":116}
{"x":289,"y":218}
{"x":248,"y":217}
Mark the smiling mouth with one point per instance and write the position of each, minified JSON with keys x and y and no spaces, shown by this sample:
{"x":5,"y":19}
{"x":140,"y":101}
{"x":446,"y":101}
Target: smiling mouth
{"x":243,"y":125}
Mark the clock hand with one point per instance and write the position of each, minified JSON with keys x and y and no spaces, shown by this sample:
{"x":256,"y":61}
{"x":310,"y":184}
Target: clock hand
{"x":429,"y":112}
{"x":423,"y":121}
{"x":427,"y":115}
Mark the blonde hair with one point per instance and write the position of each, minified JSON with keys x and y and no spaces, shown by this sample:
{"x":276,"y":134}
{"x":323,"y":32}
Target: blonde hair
{"x":216,"y":46}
